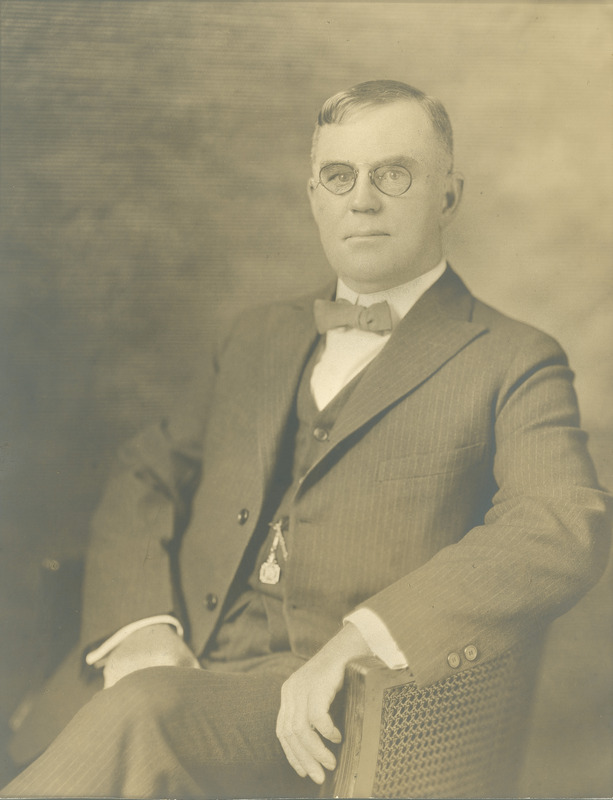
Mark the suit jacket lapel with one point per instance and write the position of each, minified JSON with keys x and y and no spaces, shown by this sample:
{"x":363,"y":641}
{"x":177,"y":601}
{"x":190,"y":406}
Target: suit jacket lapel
{"x":435,"y":329}
{"x":292,"y":337}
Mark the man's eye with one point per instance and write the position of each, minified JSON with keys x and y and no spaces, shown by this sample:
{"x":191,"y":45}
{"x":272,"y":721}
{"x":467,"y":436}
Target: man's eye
{"x":338,"y":176}
{"x":392,"y":180}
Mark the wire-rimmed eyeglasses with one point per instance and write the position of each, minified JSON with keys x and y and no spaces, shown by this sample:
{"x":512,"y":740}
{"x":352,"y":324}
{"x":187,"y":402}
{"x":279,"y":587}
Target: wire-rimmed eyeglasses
{"x":391,"y":179}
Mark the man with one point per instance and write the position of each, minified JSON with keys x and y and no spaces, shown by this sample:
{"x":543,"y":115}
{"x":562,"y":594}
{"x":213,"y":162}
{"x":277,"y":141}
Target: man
{"x":400,"y":472}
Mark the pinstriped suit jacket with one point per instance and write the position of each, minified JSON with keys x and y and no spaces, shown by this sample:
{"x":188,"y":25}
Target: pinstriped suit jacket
{"x":454,"y":496}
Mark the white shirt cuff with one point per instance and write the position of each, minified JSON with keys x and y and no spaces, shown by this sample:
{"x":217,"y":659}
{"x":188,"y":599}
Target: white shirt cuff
{"x":377,"y":637}
{"x":111,"y":643}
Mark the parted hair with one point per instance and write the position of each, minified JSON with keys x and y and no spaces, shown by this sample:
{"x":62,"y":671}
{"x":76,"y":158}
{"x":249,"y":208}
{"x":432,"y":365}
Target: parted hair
{"x":381,"y":92}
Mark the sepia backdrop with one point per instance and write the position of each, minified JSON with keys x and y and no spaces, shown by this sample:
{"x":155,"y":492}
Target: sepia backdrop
{"x":154,"y":166}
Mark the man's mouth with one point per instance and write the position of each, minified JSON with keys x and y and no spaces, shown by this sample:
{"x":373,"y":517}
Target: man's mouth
{"x":365,"y":234}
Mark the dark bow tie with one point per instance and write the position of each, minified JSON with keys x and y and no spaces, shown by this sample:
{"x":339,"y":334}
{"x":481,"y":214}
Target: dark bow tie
{"x":343,"y":314}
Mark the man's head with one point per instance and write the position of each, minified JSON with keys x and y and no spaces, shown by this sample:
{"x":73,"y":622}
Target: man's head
{"x":383,"y":186}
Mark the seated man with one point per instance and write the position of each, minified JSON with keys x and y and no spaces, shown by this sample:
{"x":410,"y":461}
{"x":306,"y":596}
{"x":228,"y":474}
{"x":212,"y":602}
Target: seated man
{"x":398,"y":472}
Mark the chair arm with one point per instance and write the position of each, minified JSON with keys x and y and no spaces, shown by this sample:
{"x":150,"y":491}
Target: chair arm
{"x":461,"y":737}
{"x":366,"y":680}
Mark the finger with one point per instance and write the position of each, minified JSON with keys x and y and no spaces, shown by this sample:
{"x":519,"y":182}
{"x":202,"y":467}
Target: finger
{"x":292,"y":758}
{"x":309,"y":749}
{"x":324,"y":724}
{"x":281,"y":730}
{"x":315,"y":749}
{"x":301,"y":756}
{"x":301,"y":744}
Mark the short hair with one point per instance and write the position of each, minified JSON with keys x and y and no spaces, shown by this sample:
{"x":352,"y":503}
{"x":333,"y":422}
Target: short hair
{"x":383,"y":92}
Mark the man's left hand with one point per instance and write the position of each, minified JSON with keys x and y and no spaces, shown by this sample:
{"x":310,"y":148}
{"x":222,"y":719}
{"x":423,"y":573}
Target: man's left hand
{"x":306,"y":697}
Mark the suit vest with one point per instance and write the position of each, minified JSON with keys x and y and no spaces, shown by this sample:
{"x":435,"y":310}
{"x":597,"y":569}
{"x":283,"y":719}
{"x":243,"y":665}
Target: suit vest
{"x":253,"y":621}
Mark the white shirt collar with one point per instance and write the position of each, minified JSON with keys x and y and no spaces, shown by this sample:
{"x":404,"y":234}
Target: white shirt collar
{"x":400,"y":298}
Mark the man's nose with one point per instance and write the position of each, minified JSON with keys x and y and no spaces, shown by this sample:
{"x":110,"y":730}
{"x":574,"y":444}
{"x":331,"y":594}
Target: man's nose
{"x":364,"y":196}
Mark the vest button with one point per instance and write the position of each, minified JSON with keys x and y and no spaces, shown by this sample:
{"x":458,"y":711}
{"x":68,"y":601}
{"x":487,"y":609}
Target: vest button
{"x":211,"y":601}
{"x":242,"y":516}
{"x":321,"y":434}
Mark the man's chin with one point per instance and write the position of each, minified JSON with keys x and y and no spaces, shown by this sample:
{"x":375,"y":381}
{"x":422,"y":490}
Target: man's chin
{"x":365,"y":277}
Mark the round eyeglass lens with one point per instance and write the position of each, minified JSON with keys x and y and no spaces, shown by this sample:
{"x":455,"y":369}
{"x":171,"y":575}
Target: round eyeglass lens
{"x":337,"y":178}
{"x":392,"y":180}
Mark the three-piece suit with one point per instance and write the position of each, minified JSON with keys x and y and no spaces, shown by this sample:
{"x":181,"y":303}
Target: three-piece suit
{"x":452,"y":494}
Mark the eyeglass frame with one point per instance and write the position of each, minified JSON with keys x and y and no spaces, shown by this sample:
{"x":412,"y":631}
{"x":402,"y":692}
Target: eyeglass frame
{"x":371,"y":173}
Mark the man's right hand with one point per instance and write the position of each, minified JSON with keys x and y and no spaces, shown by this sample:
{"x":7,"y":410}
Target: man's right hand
{"x":153,"y":646}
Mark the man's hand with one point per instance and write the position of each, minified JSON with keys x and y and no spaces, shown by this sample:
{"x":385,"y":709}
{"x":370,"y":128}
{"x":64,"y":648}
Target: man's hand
{"x":153,"y":646}
{"x":306,"y":697}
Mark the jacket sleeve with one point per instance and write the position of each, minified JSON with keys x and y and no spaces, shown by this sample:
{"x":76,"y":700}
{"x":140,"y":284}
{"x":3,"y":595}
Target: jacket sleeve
{"x":128,"y":573}
{"x":543,"y":542}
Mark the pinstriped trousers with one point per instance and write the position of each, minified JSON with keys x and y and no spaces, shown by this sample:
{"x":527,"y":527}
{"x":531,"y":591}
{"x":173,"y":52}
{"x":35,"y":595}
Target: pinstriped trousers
{"x":171,"y":732}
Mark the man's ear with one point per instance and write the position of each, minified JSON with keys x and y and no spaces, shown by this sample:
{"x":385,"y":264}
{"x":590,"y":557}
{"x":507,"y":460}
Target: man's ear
{"x":453,"y":195}
{"x":311,"y":186}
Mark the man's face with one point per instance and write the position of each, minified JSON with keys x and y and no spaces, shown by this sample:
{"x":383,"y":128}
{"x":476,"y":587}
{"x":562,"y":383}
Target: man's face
{"x":374,"y":241}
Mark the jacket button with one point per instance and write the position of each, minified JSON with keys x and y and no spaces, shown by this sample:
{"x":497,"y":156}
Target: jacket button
{"x":211,"y":601}
{"x":471,"y":652}
{"x":321,"y":434}
{"x":453,"y":659}
{"x":242,"y":516}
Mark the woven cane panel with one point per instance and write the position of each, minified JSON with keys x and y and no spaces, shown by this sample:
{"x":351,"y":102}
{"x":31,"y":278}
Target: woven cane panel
{"x":453,"y":739}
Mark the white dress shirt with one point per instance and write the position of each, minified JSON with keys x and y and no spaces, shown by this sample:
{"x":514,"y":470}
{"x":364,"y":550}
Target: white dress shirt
{"x":346,"y":352}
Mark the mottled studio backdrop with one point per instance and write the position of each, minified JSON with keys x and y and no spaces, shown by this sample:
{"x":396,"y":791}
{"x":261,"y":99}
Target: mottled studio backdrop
{"x":155,"y":157}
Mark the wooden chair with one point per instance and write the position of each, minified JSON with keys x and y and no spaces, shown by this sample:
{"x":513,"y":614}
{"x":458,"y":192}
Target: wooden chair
{"x":461,"y":737}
